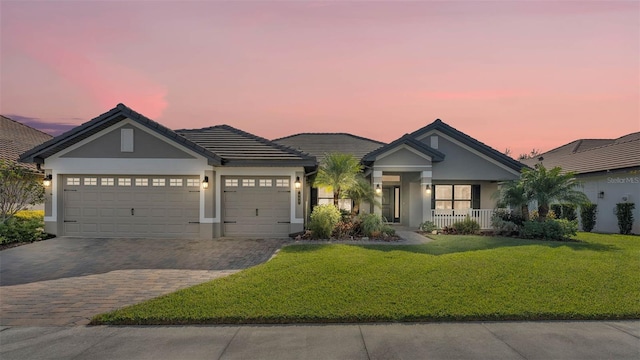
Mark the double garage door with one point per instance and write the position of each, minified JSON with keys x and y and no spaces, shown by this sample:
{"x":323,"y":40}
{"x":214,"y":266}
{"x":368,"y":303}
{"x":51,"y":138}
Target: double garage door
{"x":256,"y":206}
{"x":131,"y":206}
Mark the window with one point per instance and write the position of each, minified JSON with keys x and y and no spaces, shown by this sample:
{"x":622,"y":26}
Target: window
{"x":124,"y":182}
{"x":158,"y":182}
{"x":107,"y":182}
{"x":175,"y":182}
{"x":248,"y":182}
{"x":282,"y":182}
{"x":193,"y":182}
{"x":142,"y":182}
{"x":73,"y":181}
{"x":266,"y":183}
{"x":231,"y":182}
{"x":453,"y":197}
{"x":326,"y":197}
{"x":91,"y":181}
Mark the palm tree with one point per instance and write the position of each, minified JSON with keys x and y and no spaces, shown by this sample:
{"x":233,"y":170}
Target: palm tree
{"x":338,"y":173}
{"x":547,"y":186}
{"x":514,"y":194}
{"x":361,"y":191}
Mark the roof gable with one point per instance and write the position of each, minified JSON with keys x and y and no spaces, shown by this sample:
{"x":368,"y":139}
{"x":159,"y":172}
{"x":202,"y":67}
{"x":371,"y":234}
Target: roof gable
{"x":440,"y":126}
{"x":407,"y":141}
{"x":104,"y":121}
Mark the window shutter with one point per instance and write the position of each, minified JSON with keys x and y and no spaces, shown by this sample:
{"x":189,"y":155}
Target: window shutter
{"x":475,"y":196}
{"x":433,"y":197}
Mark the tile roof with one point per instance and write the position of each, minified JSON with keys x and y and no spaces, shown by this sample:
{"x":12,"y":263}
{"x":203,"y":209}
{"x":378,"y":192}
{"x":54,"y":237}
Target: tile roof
{"x":442,"y":127}
{"x":435,"y":155}
{"x":101,"y":122}
{"x":238,"y":147}
{"x":320,"y":144}
{"x":593,"y":155}
{"x":16,"y":138}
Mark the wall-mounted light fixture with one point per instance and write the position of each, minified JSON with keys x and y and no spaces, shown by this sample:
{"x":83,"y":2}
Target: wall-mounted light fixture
{"x":205,"y":183}
{"x":428,"y":189}
{"x":601,"y":195}
{"x":297,"y":183}
{"x":47,"y":180}
{"x":378,"y":189}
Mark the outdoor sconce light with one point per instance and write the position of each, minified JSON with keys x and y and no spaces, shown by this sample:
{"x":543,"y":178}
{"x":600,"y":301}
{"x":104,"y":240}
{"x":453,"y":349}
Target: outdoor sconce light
{"x":47,"y":180}
{"x":205,"y":183}
{"x":428,"y":189}
{"x":601,"y":195}
{"x":297,"y":183}
{"x":378,"y":189}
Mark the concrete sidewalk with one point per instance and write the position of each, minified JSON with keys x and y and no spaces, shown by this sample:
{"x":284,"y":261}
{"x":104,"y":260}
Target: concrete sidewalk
{"x":477,"y":340}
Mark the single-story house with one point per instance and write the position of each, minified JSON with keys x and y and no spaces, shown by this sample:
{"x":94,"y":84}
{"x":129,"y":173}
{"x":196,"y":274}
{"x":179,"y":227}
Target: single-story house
{"x":609,"y":170}
{"x":122,"y":174}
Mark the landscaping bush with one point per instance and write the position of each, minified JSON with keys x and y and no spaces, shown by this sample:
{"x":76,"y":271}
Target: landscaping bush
{"x":509,"y":216}
{"x":624,"y":212}
{"x":504,"y":227}
{"x":564,"y":211}
{"x":588,"y":216}
{"x":466,"y":227}
{"x":550,"y":229}
{"x":536,"y":216}
{"x":25,"y":226}
{"x":428,"y":226}
{"x":324,"y":219}
{"x":371,"y":225}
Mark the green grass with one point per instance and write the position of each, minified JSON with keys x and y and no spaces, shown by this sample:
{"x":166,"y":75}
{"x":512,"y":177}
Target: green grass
{"x":452,"y":278}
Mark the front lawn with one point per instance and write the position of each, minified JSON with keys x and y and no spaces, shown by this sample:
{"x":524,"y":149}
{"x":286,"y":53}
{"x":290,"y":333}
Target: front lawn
{"x":452,"y":278}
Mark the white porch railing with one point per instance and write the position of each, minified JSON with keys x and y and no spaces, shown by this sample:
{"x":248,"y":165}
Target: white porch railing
{"x":442,"y":218}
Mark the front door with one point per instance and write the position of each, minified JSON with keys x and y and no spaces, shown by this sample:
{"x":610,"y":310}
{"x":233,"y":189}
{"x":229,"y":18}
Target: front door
{"x":391,"y":203}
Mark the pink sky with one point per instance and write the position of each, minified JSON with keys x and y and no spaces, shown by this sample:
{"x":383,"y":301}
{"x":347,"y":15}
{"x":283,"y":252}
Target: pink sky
{"x":512,"y":74}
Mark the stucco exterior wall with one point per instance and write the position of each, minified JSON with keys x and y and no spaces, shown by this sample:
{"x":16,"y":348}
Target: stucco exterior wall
{"x":614,"y":187}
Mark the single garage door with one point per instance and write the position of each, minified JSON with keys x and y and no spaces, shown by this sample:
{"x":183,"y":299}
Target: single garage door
{"x":256,"y":206}
{"x":131,"y":206}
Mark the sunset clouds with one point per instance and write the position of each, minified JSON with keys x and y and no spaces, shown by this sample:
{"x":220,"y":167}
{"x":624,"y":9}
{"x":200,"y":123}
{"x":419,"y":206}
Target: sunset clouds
{"x":517,"y":75}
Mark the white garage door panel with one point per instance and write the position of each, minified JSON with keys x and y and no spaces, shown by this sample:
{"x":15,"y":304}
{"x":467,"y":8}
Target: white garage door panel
{"x":158,"y":211}
{"x":256,"y":211}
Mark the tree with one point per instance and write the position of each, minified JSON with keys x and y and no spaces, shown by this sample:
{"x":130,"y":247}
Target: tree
{"x":19,"y":188}
{"x":338,"y":173}
{"x":547,"y":186}
{"x":531,"y":155}
{"x":514,"y":194}
{"x":361,"y":191}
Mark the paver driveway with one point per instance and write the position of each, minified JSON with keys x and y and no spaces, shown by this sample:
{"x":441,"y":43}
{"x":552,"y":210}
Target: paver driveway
{"x":65,"y":281}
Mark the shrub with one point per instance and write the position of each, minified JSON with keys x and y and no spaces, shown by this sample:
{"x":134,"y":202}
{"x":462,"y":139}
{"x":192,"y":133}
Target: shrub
{"x":372,"y":224}
{"x":324,"y":219}
{"x":588,"y":216}
{"x":25,"y":226}
{"x":564,"y":211}
{"x":550,"y":215}
{"x":466,"y":227}
{"x":504,"y":227}
{"x":624,"y":212}
{"x":550,"y":229}
{"x":428,"y":226}
{"x":388,"y":230}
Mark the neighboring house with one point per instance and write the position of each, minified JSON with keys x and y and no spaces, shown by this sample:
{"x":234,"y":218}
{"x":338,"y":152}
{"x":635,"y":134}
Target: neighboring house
{"x":16,"y":138}
{"x":436,"y":173}
{"x":122,"y":174}
{"x":609,"y":170}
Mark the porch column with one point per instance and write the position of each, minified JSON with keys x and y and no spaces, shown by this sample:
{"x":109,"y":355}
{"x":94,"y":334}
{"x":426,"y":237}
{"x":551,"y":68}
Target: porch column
{"x":377,"y":181}
{"x":425,"y":179}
